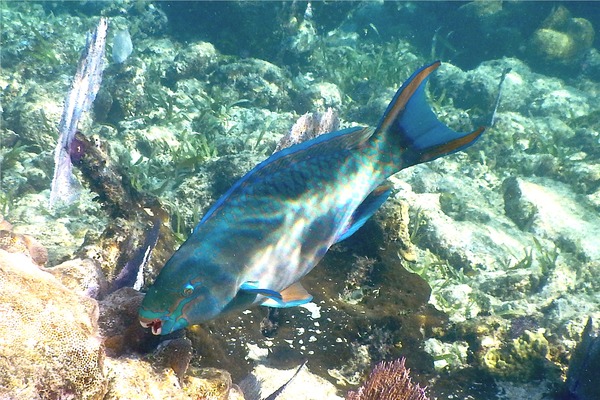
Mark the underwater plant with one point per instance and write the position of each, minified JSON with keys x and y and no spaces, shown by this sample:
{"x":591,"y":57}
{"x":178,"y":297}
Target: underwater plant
{"x":389,"y":380}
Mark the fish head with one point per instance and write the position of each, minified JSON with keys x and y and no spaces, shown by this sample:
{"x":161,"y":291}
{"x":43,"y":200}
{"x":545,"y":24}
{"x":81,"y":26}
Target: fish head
{"x":185,"y":293}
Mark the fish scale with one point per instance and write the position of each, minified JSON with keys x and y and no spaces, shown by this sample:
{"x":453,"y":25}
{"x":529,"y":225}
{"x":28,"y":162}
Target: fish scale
{"x":273,"y":226}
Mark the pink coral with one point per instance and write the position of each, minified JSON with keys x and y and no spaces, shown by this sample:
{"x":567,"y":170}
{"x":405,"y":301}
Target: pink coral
{"x":387,"y":381}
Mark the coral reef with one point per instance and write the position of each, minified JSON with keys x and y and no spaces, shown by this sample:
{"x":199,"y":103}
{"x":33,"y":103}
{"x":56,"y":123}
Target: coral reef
{"x":50,"y":346}
{"x":389,"y":380}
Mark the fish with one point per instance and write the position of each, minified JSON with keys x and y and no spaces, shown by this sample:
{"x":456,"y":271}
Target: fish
{"x":122,"y":46}
{"x":274,"y":224}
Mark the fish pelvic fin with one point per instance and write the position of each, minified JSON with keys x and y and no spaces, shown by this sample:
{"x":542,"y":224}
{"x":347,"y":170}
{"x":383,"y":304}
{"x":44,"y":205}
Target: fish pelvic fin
{"x":292,"y":296}
{"x":410,"y":123}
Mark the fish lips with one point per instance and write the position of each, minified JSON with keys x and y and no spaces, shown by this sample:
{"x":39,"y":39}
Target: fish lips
{"x":155,"y":324}
{"x":163,"y":325}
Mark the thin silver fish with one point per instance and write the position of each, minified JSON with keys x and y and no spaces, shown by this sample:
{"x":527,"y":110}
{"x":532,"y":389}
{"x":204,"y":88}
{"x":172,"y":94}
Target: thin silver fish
{"x":275,"y":224}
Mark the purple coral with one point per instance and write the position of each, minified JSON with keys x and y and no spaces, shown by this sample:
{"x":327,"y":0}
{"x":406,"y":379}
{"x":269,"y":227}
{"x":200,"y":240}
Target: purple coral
{"x":389,"y":381}
{"x":82,"y":94}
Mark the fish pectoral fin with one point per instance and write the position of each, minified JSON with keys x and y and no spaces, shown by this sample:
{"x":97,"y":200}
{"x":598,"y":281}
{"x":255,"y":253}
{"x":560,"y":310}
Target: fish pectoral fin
{"x":253,"y":287}
{"x":365,"y":210}
{"x":291,"y":296}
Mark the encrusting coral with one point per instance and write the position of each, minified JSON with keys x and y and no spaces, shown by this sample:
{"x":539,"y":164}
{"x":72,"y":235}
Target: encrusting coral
{"x":49,"y":345}
{"x":389,"y":380}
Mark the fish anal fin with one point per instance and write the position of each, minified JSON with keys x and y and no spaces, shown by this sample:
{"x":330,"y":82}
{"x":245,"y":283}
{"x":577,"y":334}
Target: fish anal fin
{"x":292,"y":296}
{"x":365,"y":210}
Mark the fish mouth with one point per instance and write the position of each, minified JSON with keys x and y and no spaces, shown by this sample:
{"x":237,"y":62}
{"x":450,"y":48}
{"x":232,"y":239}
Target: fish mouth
{"x":155,"y":324}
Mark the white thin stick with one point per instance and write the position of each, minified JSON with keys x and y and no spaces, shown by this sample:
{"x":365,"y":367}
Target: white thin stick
{"x":81,"y":96}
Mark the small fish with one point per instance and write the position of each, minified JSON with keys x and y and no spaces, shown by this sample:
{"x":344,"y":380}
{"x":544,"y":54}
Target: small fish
{"x":275,"y":224}
{"x":122,"y":46}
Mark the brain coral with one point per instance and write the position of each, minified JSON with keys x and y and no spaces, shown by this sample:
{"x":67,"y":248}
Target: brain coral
{"x":49,"y":347}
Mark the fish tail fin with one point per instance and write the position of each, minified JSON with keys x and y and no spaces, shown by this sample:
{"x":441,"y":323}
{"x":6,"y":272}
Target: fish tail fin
{"x":410,"y":124}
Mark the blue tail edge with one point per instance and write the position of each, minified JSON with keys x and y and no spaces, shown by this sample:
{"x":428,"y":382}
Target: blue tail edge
{"x":422,"y":136}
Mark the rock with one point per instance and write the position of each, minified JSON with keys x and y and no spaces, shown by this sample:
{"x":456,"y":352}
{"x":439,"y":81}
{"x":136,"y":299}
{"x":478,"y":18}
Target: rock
{"x":264,"y":380}
{"x":195,"y":60}
{"x":83,"y":276}
{"x":134,"y":378}
{"x":565,"y":103}
{"x":50,"y":346}
{"x":118,"y":324}
{"x":264,"y":84}
{"x":552,"y":45}
{"x":319,"y":96}
{"x":551,"y":210}
{"x":561,"y":38}
{"x":18,"y":243}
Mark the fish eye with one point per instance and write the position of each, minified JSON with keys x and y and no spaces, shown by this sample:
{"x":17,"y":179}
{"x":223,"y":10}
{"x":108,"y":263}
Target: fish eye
{"x":188,"y":290}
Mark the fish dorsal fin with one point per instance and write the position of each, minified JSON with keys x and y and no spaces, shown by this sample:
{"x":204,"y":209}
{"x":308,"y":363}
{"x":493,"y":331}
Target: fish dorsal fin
{"x":321,"y":146}
{"x":365,"y":210}
{"x":292,"y":296}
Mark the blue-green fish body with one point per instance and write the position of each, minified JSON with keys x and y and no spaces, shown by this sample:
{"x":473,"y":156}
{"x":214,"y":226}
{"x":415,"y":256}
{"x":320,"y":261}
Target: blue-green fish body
{"x":274,"y":225}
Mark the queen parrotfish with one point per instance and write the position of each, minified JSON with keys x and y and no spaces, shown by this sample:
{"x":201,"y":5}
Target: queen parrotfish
{"x":274,"y":224}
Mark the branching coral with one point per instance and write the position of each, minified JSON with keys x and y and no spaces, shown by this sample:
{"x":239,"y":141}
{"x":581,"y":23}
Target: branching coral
{"x":389,"y":380}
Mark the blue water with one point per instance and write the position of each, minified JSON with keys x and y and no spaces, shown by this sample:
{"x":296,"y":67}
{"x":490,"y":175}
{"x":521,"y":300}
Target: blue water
{"x":504,"y":237}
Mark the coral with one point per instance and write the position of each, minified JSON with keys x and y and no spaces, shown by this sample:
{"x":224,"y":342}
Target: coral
{"x":309,"y":126}
{"x":389,"y":380}
{"x":211,"y":384}
{"x":49,"y":346}
{"x":522,"y":359}
{"x":134,"y":378}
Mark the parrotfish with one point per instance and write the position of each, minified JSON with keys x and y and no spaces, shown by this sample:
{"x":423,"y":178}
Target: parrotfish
{"x":273,"y":225}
